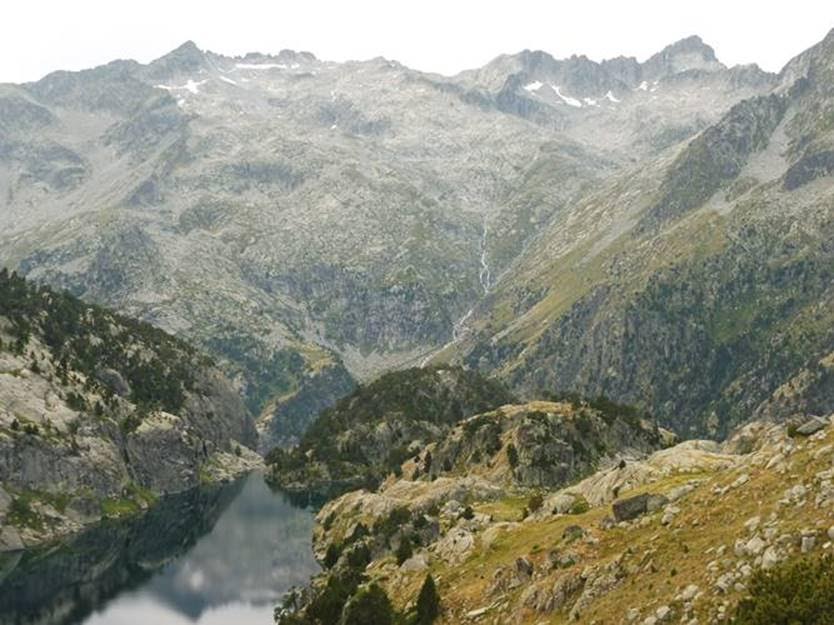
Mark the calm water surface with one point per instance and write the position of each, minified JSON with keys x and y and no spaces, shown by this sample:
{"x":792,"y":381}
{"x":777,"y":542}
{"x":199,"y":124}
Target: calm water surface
{"x":210,"y":556}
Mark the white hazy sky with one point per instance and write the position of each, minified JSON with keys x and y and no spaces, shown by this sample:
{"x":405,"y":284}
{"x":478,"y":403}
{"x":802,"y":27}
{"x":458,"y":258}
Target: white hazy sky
{"x":446,"y":36}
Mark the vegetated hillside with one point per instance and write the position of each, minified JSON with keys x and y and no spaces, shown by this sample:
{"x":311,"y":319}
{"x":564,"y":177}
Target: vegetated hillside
{"x":539,"y":444}
{"x":694,"y":286}
{"x":310,"y":223}
{"x":372,"y":431}
{"x":684,"y":534}
{"x":99,"y":414}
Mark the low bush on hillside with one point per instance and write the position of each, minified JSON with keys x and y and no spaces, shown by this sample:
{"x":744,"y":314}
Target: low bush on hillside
{"x":800,"y":592}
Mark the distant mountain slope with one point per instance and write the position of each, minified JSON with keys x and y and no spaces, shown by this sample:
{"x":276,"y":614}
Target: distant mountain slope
{"x":696,"y":283}
{"x":99,"y":414}
{"x":311,"y":223}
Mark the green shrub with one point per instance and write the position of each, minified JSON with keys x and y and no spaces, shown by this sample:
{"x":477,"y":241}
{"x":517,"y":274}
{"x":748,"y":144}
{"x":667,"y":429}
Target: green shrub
{"x":358,"y":556}
{"x":579,"y":506}
{"x":535,"y":503}
{"x":332,"y":555}
{"x":512,"y":455}
{"x":800,"y":592}
{"x":326,"y":606}
{"x":369,"y":606}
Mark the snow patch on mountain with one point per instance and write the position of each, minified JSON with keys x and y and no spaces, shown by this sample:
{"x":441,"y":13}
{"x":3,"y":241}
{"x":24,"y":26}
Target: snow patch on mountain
{"x":566,"y":99}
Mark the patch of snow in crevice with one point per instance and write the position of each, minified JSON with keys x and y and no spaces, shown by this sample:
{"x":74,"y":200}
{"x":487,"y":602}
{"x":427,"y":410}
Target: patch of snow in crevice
{"x":566,"y":99}
{"x":228,"y":80}
{"x":611,"y":98}
{"x":191,"y":86}
{"x":590,"y":101}
{"x":533,"y":86}
{"x":643,"y":86}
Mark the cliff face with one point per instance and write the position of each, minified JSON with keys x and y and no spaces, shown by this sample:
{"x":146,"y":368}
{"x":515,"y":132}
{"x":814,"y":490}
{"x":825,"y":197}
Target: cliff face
{"x":100,"y":414}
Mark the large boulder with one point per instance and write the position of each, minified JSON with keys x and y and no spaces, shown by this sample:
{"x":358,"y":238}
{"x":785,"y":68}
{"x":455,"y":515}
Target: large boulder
{"x":633,"y":507}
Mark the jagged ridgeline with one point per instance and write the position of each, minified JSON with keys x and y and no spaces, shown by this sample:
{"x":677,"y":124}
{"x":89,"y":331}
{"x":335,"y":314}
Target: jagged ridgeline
{"x":100,"y":414}
{"x":371,"y":432}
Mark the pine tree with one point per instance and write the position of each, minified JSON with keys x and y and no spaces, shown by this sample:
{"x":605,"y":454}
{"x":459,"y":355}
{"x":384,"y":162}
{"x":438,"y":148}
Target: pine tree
{"x":428,"y":602}
{"x":405,"y":550}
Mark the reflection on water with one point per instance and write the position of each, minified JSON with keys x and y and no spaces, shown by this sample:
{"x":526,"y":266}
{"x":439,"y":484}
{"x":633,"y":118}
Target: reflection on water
{"x":210,"y":556}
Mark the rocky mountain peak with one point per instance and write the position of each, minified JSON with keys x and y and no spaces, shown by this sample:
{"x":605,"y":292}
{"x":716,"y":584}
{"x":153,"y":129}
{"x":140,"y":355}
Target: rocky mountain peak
{"x":187,"y":58}
{"x":687,"y":54}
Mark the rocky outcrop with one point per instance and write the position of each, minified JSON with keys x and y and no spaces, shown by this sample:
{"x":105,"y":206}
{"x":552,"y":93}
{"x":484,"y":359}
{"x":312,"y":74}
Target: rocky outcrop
{"x":539,"y":444}
{"x":100,"y":415}
{"x":686,"y":536}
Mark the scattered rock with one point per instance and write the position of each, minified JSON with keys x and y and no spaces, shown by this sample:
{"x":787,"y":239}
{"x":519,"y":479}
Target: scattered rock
{"x":689,"y":593}
{"x":812,"y":426}
{"x":669,"y":514}
{"x":808,"y":543}
{"x":771,"y":557}
{"x":741,"y":480}
{"x":416,"y":563}
{"x":456,"y":545}
{"x":755,"y":546}
{"x":10,"y":539}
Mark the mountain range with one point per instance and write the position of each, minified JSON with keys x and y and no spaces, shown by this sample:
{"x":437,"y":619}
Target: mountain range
{"x":656,"y":232}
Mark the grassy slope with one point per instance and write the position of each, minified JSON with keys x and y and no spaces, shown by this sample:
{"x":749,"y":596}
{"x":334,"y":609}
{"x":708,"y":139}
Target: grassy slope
{"x":667,"y":558}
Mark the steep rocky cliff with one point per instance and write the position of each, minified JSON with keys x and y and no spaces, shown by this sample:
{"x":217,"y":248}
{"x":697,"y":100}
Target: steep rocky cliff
{"x":100,"y":414}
